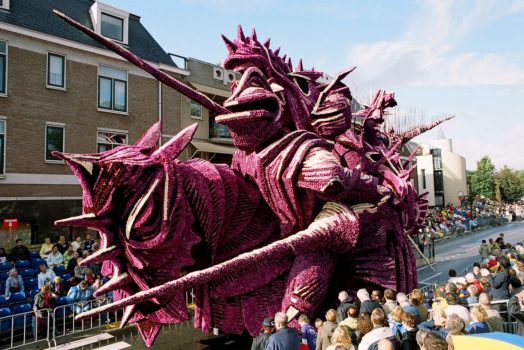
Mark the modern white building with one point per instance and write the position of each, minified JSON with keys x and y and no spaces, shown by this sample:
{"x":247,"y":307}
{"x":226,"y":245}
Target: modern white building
{"x":441,"y":172}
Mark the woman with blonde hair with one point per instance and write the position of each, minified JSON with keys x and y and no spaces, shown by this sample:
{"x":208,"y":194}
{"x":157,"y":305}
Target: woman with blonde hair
{"x":326,"y":331}
{"x":339,"y":338}
{"x":417,"y":299}
{"x":395,"y":321}
{"x":480,"y":321}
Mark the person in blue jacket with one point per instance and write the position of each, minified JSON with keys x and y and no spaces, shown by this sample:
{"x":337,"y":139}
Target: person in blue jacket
{"x":80,"y":295}
{"x":13,"y":284}
{"x":285,"y":338}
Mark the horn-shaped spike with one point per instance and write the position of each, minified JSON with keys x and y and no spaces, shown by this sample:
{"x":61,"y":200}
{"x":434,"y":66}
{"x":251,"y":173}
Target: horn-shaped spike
{"x":176,"y":145}
{"x":267,"y":42}
{"x":86,"y":220}
{"x":313,"y":68}
{"x":77,"y":159}
{"x":114,"y":283}
{"x":277,"y":51}
{"x":148,"y":331}
{"x":284,"y":58}
{"x":151,"y":137}
{"x":412,"y":133}
{"x":240,"y":33}
{"x":231,"y":46}
{"x":300,"y":66}
{"x":101,"y":255}
{"x":289,"y":63}
{"x":254,"y":35}
{"x":126,"y":316}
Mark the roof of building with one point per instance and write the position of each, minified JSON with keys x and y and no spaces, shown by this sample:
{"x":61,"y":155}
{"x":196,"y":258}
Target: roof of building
{"x":440,"y":135}
{"x":38,"y":16}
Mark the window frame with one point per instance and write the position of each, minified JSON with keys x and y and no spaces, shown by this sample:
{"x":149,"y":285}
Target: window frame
{"x":3,"y":154}
{"x":96,"y":11}
{"x":6,"y":64}
{"x":113,"y":131}
{"x":102,"y":13}
{"x":4,"y":4}
{"x":191,"y":103}
{"x":64,"y":71}
{"x":126,"y":82}
{"x":54,"y":125}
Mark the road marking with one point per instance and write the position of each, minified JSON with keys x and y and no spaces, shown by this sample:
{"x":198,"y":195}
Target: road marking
{"x":435,"y":275}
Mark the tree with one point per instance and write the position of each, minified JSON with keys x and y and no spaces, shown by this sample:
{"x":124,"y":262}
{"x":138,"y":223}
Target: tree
{"x":509,"y":184}
{"x":483,"y":179}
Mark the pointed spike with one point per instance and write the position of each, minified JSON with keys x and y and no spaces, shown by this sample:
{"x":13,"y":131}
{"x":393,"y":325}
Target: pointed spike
{"x":254,"y":35}
{"x":289,"y":63}
{"x":81,"y":220}
{"x":231,"y":46}
{"x":240,"y":33}
{"x":313,"y":68}
{"x":277,"y":51}
{"x":176,"y":145}
{"x":148,"y":331}
{"x":114,"y":283}
{"x":103,"y":254}
{"x":300,"y":66}
{"x":151,"y":137}
{"x":284,"y":58}
{"x":267,"y":42}
{"x":126,"y":316}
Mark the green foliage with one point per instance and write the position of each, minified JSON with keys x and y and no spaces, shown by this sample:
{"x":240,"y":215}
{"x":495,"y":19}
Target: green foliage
{"x":482,"y":181}
{"x":509,"y":184}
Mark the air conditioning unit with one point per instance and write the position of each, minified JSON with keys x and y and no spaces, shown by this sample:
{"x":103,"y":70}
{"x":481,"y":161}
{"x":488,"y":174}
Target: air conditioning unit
{"x":218,"y":73}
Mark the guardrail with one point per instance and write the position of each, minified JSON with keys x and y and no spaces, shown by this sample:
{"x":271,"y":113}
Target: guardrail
{"x":26,"y":328}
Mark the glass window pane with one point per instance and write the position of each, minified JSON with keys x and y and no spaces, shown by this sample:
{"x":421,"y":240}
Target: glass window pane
{"x":2,"y":126}
{"x":55,"y":141}
{"x":111,"y":72}
{"x":2,"y":47}
{"x":104,"y":92}
{"x":56,"y":70}
{"x":108,"y":140}
{"x":112,"y":27}
{"x":2,"y":73}
{"x":2,"y":151}
{"x":120,"y":95}
{"x":196,"y":110}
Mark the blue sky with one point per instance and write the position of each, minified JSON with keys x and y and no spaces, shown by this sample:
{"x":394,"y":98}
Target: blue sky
{"x":464,"y":58}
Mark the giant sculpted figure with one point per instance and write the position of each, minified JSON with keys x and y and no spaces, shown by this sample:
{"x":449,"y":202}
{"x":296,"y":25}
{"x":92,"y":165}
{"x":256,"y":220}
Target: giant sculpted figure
{"x":317,"y":200}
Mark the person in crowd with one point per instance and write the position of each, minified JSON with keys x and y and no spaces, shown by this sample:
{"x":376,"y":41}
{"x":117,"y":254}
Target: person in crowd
{"x":500,"y":281}
{"x":421,"y":241}
{"x":395,"y":321}
{"x":455,"y":308}
{"x":88,"y":242}
{"x":484,"y":250}
{"x":62,"y":245}
{"x":417,"y":300}
{"x":45,"y":276}
{"x":471,"y":280}
{"x":455,"y":326}
{"x":80,"y":270}
{"x":76,"y":243}
{"x":500,"y":241}
{"x":260,"y":341}
{"x":409,"y":337}
{"x":516,"y":311}
{"x":351,"y":321}
{"x":421,"y":335}
{"x":345,"y":302}
{"x":452,"y":274}
{"x":389,"y":301}
{"x":430,"y":241}
{"x":284,"y":337}
{"x":309,"y":334}
{"x":3,"y":256}
{"x":404,"y":303}
{"x":46,"y":248}
{"x":13,"y":284}
{"x":495,"y":321}
{"x":472,"y":295}
{"x":89,"y":276}
{"x":44,"y":300}
{"x":434,"y":341}
{"x":73,"y":263}
{"x":19,"y":252}
{"x":364,"y":326}
{"x":376,"y":295}
{"x":515,"y":285}
{"x":479,"y":321}
{"x":340,"y":339}
{"x":59,"y":287}
{"x":385,"y":344}
{"x":437,"y":324}
{"x":80,"y":295}
{"x":378,"y":332}
{"x":439,"y":302}
{"x":476,"y":270}
{"x":68,"y":255}
{"x":55,"y":258}
{"x":366,"y":304}
{"x":484,"y":282}
{"x":493,"y":246}
{"x":81,"y":249}
{"x":318,"y":324}
{"x":325,"y":333}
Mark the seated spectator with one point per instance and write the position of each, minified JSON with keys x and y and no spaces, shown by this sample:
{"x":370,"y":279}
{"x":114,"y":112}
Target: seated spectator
{"x":73,"y":263}
{"x":62,"y":245}
{"x":436,"y":325}
{"x":455,"y":308}
{"x":46,"y":248}
{"x":390,"y":302}
{"x":351,"y":321}
{"x":472,"y":295}
{"x":45,"y":276}
{"x":515,"y":285}
{"x":417,"y":300}
{"x":476,"y":270}
{"x":455,"y":326}
{"x":484,"y":282}
{"x":13,"y":284}
{"x":409,"y":337}
{"x":76,"y":243}
{"x":43,"y":300}
{"x":325,"y":333}
{"x":68,"y":255}
{"x":309,"y":335}
{"x":80,"y":271}
{"x":284,"y":337}
{"x":395,"y":321}
{"x":260,"y":341}
{"x":81,"y":250}
{"x":495,"y":321}
{"x":59,"y":287}
{"x":500,"y":281}
{"x":461,"y":290}
{"x":340,"y":338}
{"x":88,"y":242}
{"x":452,"y":276}
{"x":89,"y":277}
{"x":55,"y":258}
{"x":439,"y":302}
{"x":378,"y":332}
{"x":403,"y":302}
{"x":366,"y":304}
{"x":479,"y":321}
{"x":3,"y":256}
{"x":345,"y":302}
{"x":19,"y":252}
{"x":79,"y":295}
{"x":434,"y":341}
{"x":471,"y":280}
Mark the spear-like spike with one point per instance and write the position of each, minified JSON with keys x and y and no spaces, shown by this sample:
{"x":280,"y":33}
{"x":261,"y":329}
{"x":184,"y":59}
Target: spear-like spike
{"x":277,"y":51}
{"x":414,"y":132}
{"x":240,"y":34}
{"x":267,"y":42}
{"x":290,"y":65}
{"x":300,"y":66}
{"x":254,"y":35}
{"x":140,"y":63}
{"x":284,"y":58}
{"x":231,"y":46}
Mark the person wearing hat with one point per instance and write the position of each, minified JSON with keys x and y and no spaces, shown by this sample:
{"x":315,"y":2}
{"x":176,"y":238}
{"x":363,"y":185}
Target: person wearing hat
{"x":260,"y":341}
{"x":500,"y":281}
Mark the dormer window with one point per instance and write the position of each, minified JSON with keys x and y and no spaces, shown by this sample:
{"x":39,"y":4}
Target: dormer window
{"x":110,"y":22}
{"x":4,"y":4}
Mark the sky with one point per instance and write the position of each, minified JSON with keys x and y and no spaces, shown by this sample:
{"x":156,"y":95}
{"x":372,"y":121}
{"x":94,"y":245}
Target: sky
{"x":440,"y":57}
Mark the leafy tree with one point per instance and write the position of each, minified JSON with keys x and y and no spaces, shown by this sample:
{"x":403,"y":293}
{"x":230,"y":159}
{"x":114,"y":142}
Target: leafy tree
{"x":509,"y":184}
{"x":483,"y":179}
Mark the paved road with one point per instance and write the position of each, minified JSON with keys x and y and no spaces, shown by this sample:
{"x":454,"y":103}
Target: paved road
{"x":461,"y":252}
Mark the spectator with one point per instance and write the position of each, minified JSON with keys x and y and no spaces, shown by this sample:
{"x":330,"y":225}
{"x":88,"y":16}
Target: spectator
{"x":284,"y":337}
{"x":433,"y":341}
{"x":495,"y":321}
{"x":395,"y":321}
{"x":19,"y":252}
{"x":3,"y":256}
{"x":408,"y":338}
{"x":46,"y":248}
{"x":55,"y":258}
{"x":484,"y":250}
{"x":500,"y":241}
{"x":43,"y":300}
{"x":80,"y":271}
{"x":472,"y":295}
{"x":366,"y":304}
{"x":81,"y":249}
{"x":390,"y":302}
{"x":88,"y":243}
{"x":345,"y":302}
{"x":471,"y":280}
{"x":421,"y":335}
{"x":62,"y":245}
{"x":493,"y":246}
{"x":79,"y":295}
{"x":45,"y":276}
{"x":340,"y":338}
{"x":376,"y":295}
{"x":260,"y":341}
{"x":455,"y":308}
{"x":89,"y":276}
{"x":455,"y":326}
{"x":13,"y":284}
{"x":452,"y":276}
{"x":76,"y":243}
{"x":309,"y":335}
{"x":318,"y":324}
{"x":385,"y":344}
{"x":59,"y":288}
{"x":325,"y":333}
{"x":378,"y":332}
{"x":479,"y":322}
{"x":439,"y":302}
{"x":515,"y":285}
{"x":437,"y":324}
{"x":403,"y":302}
{"x":364,"y":326}
{"x":73,"y":263}
{"x":516,"y":311}
{"x":417,"y":300}
{"x":500,"y":281}
{"x":68,"y":255}
{"x":351,"y":321}
{"x":476,"y":270}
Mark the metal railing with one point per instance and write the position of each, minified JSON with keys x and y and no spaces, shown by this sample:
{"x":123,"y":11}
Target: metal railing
{"x":26,"y":328}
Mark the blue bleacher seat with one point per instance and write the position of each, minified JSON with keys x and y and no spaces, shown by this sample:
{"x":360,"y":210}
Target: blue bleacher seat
{"x":27,"y":273}
{"x":32,"y":293}
{"x":16,"y":298}
{"x":6,"y":266}
{"x":5,"y":324}
{"x":22,"y":264}
{"x":31,"y":283}
{"x":36,"y":262}
{"x":59,"y":269}
{"x":66,"y":276}
{"x":34,"y":255}
{"x":3,"y":301}
{"x":4,"y":275}
{"x":61,"y":311}
{"x":20,"y":309}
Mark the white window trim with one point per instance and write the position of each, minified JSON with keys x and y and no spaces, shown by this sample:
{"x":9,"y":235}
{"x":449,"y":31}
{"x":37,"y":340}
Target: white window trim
{"x":98,"y":88}
{"x":4,"y":94}
{"x":62,"y":88}
{"x":5,"y":5}
{"x":3,"y":119}
{"x":201,"y":111}
{"x":59,"y":125}
{"x":115,"y":131}
{"x":96,"y":16}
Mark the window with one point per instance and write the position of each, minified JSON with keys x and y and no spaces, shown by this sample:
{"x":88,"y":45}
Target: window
{"x":3,"y":67}
{"x":196,"y":110}
{"x":112,"y":89}
{"x":55,"y":70}
{"x":107,"y":140}
{"x":423,"y":171}
{"x":437,"y":158}
{"x":439,"y":181}
{"x":2,"y":147}
{"x":218,"y":131}
{"x":4,"y":4}
{"x":112,"y":27}
{"x":54,"y":141}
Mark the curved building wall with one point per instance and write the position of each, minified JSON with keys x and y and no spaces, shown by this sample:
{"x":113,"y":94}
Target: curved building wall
{"x":454,"y":173}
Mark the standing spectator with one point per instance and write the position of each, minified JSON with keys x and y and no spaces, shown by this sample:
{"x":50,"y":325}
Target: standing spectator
{"x":19,"y":252}
{"x":309,"y":335}
{"x":500,"y":282}
{"x":430,"y":241}
{"x":484,"y":250}
{"x":345,"y":302}
{"x":409,"y":338}
{"x":452,"y":276}
{"x":59,"y":287}
{"x":13,"y":284}
{"x":79,"y":295}
{"x":472,"y":295}
{"x":417,"y":300}
{"x":340,"y":338}
{"x":284,"y":338}
{"x":260,"y":341}
{"x":366,"y":304}
{"x":437,"y":324}
{"x":455,"y":326}
{"x":378,"y":332}
{"x":88,"y":242}
{"x":495,"y":321}
{"x":46,"y":248}
{"x":390,"y":302}
{"x":403,"y":302}
{"x":325,"y":333}
{"x":500,"y":241}
{"x":55,"y":258}
{"x":318,"y":324}
{"x":62,"y":245}
{"x":516,"y":310}
{"x":479,"y":322}
{"x":493,"y":246}
{"x":421,"y":241}
{"x":364,"y":326}
{"x":76,"y":243}
{"x":376,"y":295}
{"x":68,"y":255}
{"x":43,"y":300}
{"x":3,"y":256}
{"x":352,"y":320}
{"x":45,"y":276}
{"x":515,"y":285}
{"x":455,"y":308}
{"x":395,"y":321}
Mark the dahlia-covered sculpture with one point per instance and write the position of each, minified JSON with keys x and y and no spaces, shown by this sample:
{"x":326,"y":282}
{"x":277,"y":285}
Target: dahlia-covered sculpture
{"x":317,"y":200}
